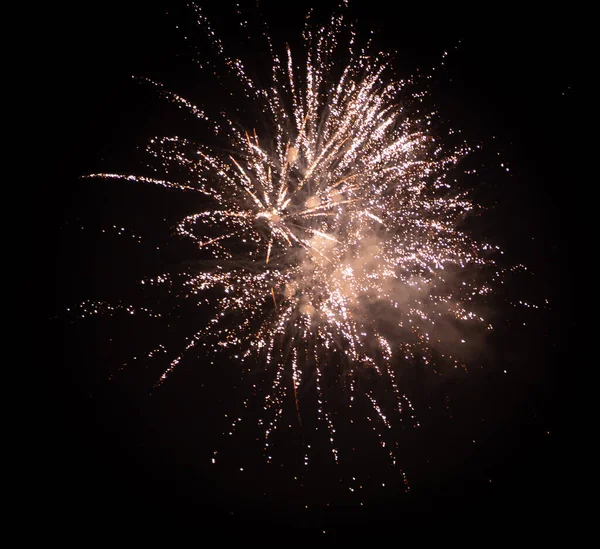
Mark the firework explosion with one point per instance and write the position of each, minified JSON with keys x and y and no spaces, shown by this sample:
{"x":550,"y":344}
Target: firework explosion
{"x":331,"y":247}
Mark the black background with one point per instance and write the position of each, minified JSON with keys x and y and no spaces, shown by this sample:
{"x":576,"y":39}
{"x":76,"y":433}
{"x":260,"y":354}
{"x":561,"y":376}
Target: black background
{"x":110,"y":453}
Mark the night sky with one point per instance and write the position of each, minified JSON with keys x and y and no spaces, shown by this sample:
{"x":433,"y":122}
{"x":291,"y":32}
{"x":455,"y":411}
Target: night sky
{"x":508,"y":83}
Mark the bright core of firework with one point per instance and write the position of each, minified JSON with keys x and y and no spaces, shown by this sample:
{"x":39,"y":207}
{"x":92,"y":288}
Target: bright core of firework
{"x":332,"y":244}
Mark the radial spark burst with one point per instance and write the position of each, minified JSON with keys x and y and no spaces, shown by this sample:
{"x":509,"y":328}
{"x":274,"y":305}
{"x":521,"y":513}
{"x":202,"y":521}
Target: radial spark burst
{"x":332,"y":247}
